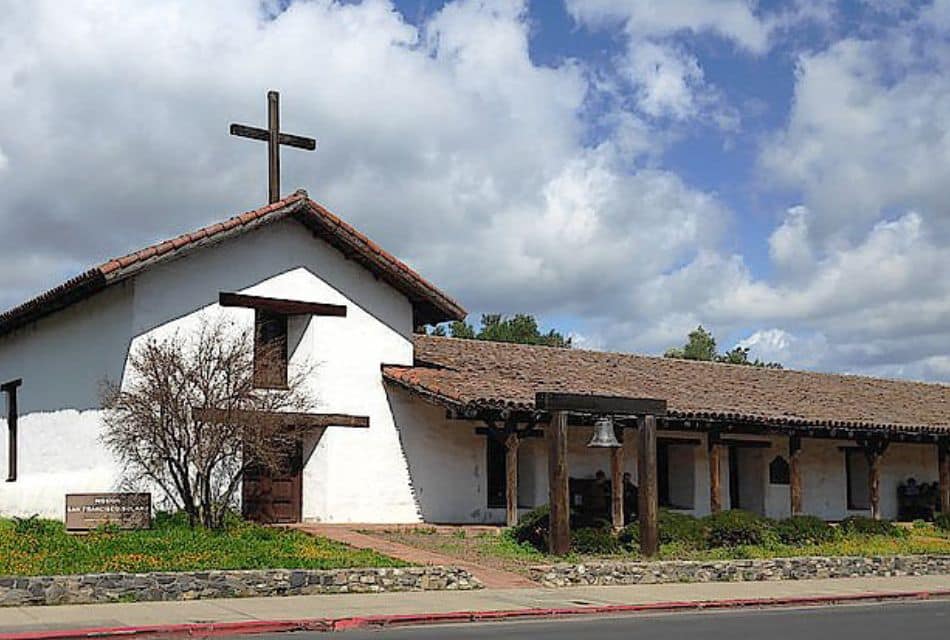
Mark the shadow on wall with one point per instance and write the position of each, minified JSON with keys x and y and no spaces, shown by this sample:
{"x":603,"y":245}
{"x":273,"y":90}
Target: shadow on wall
{"x":445,"y":459}
{"x":64,"y":358}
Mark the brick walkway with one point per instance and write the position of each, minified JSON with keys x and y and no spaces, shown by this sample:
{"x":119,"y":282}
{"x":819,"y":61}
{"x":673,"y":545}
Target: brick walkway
{"x":347,"y":534}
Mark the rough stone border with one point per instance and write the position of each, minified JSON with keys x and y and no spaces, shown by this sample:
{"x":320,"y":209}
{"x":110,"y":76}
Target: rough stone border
{"x":802,"y":568}
{"x":195,"y":585}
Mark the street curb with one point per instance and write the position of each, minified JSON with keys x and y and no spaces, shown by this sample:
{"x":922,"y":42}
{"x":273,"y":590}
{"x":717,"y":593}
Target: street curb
{"x":208,"y":629}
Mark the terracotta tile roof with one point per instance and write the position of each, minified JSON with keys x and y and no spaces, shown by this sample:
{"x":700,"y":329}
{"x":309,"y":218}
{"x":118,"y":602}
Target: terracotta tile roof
{"x":430,"y":305}
{"x":476,"y":374}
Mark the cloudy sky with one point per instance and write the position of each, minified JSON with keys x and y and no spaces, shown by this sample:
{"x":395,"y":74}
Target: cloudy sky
{"x":624,"y":169}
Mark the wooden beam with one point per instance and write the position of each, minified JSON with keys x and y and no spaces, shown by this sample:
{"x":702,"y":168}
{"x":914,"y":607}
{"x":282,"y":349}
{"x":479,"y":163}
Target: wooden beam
{"x":13,"y":385}
{"x":286,"y":139}
{"x":679,"y":442}
{"x":559,"y":542}
{"x":273,"y":146}
{"x":280,"y":418}
{"x":943,"y":461}
{"x":649,"y":489}
{"x":511,"y":479}
{"x":616,"y":488}
{"x":795,"y":475}
{"x":279,"y":305}
{"x":715,"y":475}
{"x":522,"y":433}
{"x":746,"y":444}
{"x":613,"y":405}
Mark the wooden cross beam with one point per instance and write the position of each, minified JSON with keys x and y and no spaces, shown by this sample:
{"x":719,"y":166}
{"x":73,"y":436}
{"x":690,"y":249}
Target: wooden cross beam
{"x":274,"y":138}
{"x":287,"y":419}
{"x":280,"y":305}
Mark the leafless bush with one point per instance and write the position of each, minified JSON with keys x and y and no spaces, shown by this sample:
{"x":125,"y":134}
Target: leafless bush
{"x":152,"y":426}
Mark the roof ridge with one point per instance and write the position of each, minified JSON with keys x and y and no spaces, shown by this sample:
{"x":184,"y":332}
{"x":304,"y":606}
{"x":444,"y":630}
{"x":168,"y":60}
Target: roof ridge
{"x":165,"y":246}
{"x":429,"y":303}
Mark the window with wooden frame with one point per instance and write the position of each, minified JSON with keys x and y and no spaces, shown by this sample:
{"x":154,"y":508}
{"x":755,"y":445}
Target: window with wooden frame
{"x":858,"y":477}
{"x":270,"y":349}
{"x":779,"y":471}
{"x":10,"y":390}
{"x":496,"y":473}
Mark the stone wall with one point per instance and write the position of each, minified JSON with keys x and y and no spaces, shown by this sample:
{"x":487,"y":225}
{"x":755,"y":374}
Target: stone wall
{"x":193,"y":585}
{"x":610,"y":573}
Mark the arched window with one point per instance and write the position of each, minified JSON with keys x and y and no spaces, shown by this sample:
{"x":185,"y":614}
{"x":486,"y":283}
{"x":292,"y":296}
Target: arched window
{"x":778,"y":471}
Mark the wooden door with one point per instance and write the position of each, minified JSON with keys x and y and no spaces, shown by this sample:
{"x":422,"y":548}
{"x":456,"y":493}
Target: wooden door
{"x":275,"y":495}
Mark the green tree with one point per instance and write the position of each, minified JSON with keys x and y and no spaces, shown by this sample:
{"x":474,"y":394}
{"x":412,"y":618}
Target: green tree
{"x":701,"y":345}
{"x":520,"y":328}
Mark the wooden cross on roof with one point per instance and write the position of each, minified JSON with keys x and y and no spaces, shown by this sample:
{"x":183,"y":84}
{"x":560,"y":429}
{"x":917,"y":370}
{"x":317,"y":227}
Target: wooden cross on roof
{"x":274,"y":138}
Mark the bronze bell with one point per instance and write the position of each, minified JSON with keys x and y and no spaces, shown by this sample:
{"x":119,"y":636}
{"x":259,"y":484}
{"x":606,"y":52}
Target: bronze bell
{"x":604,"y":436}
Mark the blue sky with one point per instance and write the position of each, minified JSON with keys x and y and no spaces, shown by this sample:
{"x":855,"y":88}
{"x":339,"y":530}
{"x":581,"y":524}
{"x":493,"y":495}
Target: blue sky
{"x":777,"y":171}
{"x":759,"y":86}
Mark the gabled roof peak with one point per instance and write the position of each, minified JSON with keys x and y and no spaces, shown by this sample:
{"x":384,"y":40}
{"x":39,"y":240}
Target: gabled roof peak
{"x":430,"y":305}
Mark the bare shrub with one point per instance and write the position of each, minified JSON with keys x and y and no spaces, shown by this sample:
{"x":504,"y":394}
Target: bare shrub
{"x":153,"y":428}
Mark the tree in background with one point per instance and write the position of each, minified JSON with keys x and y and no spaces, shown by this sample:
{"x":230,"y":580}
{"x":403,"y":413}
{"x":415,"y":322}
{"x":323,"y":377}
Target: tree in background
{"x":520,"y":328}
{"x":701,"y":345}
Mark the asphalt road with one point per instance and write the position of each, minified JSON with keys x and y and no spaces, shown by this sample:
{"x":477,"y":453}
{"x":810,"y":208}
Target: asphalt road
{"x":895,"y":621}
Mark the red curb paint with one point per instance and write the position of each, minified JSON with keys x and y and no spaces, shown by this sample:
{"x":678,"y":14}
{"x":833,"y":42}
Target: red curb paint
{"x":209,"y":629}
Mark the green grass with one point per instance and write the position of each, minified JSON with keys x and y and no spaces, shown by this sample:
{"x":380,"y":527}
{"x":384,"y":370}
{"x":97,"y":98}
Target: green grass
{"x":855,"y":545}
{"x":42,"y":547}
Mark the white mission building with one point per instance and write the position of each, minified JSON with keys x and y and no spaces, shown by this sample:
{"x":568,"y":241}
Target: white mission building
{"x":454,"y":434}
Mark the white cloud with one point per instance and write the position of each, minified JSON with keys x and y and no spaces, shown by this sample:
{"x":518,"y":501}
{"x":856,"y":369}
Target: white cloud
{"x":731,"y":19}
{"x":792,"y":351}
{"x":451,"y":148}
{"x":445,"y":143}
{"x":869,"y":131}
{"x":667,"y":80}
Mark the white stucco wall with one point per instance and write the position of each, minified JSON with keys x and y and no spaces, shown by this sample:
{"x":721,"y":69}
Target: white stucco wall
{"x":447,"y":469}
{"x":350,"y":475}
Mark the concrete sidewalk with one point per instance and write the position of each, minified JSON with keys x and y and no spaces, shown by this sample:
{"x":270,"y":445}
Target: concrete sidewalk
{"x":247,"y":610}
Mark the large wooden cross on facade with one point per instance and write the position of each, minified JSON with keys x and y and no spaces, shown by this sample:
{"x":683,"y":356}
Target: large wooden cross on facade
{"x":274,"y":138}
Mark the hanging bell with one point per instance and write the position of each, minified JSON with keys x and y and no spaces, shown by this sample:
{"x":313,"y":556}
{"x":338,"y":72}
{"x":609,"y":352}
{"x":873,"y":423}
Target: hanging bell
{"x":604,"y":436}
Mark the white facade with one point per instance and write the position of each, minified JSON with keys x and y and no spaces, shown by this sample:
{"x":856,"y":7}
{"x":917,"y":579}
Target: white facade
{"x":350,"y":474}
{"x":412,"y":464}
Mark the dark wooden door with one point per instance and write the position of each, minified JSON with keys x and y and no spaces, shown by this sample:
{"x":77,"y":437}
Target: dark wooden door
{"x":275,"y":495}
{"x":734,"y":492}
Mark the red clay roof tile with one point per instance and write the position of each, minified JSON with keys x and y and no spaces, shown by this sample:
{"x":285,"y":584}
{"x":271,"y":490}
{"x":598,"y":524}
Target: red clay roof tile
{"x":497,"y":375}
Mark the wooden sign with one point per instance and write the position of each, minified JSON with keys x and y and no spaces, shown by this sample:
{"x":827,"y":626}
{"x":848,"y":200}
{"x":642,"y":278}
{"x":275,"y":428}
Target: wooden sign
{"x":86,"y":511}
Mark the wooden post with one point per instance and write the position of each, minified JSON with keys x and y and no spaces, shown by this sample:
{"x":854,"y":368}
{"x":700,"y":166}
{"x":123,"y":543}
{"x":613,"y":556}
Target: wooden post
{"x":873,"y":450}
{"x":273,"y":146}
{"x":559,"y":543}
{"x":616,"y":487}
{"x":795,"y":474}
{"x":649,"y":498}
{"x":715,"y":484}
{"x":10,"y":388}
{"x":511,"y":479}
{"x":874,"y":485}
{"x":943,"y":457}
